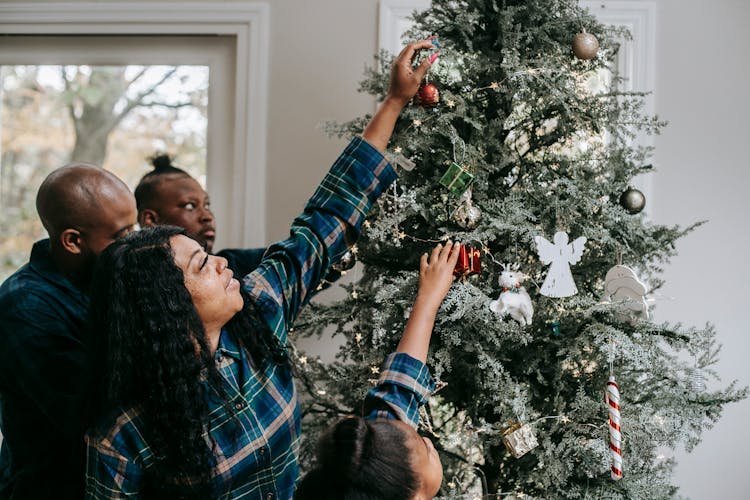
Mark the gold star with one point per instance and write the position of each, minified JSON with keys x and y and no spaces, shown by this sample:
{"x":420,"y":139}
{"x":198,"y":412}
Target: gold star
{"x":354,"y":249}
{"x":367,"y":224}
{"x":401,"y":235}
{"x":354,"y":294}
{"x":303,"y":360}
{"x":375,"y":370}
{"x":450,"y":103}
{"x":495,"y":86}
{"x":417,"y":123}
{"x":358,"y":338}
{"x":397,"y":150}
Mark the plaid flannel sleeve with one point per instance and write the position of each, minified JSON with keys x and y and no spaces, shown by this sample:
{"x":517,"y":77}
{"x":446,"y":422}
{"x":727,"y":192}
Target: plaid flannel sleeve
{"x":292,"y":269}
{"x":109,"y":474}
{"x":404,"y":385}
{"x":117,"y":458}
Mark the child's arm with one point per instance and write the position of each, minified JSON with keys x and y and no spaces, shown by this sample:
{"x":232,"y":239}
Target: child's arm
{"x":435,"y":278}
{"x":405,"y":381}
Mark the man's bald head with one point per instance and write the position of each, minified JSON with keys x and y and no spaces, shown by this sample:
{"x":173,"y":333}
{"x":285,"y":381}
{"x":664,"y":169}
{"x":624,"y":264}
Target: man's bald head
{"x":84,"y":208}
{"x":72,"y":196}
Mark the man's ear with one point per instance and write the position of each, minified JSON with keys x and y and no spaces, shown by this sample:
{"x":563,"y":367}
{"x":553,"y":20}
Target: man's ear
{"x":70,"y":239}
{"x":148,"y":218}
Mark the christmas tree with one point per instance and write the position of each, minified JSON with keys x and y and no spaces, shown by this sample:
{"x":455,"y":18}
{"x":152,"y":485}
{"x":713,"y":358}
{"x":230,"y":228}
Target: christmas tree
{"x":522,"y":147}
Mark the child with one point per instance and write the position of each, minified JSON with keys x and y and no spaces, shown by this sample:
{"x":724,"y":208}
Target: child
{"x":380,"y":456}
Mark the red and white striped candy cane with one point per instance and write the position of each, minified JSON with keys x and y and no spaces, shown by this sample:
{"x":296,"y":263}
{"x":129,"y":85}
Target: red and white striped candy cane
{"x":613,"y":402}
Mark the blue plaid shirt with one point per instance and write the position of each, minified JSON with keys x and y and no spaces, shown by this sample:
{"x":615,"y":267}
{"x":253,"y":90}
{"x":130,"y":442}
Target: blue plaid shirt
{"x":403,"y":386}
{"x":42,"y":355}
{"x":262,"y":462}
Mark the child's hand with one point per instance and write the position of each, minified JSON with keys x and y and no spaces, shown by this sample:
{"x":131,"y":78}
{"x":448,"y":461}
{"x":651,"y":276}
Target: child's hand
{"x":405,"y":79}
{"x":436,"y":275}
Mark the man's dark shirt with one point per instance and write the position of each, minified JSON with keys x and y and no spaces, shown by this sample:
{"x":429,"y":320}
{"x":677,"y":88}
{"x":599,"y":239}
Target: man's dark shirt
{"x":42,"y":357}
{"x":242,"y":261}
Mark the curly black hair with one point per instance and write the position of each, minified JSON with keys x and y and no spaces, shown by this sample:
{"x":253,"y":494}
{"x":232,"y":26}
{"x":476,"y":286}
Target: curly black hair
{"x":360,"y":459}
{"x":149,"y":351}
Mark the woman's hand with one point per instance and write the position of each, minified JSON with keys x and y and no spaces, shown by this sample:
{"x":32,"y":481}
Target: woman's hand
{"x":405,"y":79}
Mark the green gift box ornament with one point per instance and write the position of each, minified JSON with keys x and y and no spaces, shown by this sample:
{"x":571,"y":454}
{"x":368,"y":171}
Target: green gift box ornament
{"x":456,"y":179}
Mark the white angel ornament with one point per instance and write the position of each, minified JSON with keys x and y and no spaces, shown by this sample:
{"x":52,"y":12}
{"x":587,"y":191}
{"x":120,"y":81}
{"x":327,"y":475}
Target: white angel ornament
{"x":561,"y":254}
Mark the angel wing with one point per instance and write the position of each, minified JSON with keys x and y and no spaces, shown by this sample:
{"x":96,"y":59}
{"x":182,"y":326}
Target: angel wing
{"x":576,"y":249}
{"x":546,"y":250}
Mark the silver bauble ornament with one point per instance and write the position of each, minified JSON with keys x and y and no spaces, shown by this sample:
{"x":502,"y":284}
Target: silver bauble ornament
{"x":348,"y":260}
{"x":585,"y":46}
{"x":632,"y":200}
{"x":467,"y":215}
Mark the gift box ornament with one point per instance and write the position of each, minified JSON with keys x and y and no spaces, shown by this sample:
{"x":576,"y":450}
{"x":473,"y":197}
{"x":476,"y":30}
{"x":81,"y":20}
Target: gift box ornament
{"x":456,"y":178}
{"x":468,"y":262}
{"x":519,"y":439}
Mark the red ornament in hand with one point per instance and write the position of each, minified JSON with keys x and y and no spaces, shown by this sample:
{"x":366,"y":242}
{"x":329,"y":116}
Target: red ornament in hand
{"x":428,"y":95}
{"x":468,"y":262}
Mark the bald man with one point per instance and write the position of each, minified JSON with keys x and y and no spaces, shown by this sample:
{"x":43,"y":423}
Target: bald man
{"x":43,"y":308}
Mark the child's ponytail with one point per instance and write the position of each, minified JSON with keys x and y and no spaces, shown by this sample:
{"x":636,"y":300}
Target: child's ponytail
{"x":363,"y":460}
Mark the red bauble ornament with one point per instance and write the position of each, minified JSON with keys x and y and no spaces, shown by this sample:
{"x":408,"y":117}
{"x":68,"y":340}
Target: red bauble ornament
{"x":428,"y":95}
{"x":585,"y":46}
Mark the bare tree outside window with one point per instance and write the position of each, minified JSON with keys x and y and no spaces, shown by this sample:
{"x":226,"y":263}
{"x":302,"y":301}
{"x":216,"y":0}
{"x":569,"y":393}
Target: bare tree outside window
{"x":112,"y":116}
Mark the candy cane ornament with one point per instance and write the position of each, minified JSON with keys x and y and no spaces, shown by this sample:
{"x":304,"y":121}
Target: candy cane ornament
{"x":612,"y":398}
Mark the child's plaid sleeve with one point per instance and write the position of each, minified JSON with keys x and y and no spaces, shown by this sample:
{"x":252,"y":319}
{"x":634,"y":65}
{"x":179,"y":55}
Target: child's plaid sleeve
{"x":404,"y":385}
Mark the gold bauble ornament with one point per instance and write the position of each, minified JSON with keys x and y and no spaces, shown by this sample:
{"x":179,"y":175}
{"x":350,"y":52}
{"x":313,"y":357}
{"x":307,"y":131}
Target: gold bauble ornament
{"x":585,"y":46}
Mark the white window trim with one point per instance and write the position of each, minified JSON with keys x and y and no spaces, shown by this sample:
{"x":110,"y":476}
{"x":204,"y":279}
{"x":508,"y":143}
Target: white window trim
{"x":392,"y":17}
{"x":249,"y":22}
{"x":635,"y":62}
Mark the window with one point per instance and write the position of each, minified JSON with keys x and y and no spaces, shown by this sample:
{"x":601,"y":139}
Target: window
{"x":210,"y":110}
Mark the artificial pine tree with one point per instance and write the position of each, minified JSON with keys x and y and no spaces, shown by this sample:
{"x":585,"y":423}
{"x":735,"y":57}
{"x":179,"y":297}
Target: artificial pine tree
{"x":550,"y":152}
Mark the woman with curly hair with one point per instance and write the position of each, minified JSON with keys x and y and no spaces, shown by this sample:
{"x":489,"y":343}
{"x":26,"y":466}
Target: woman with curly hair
{"x":194,"y":394}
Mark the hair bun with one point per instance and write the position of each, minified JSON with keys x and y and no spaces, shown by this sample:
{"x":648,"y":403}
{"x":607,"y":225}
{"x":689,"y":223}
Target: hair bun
{"x":161,"y":162}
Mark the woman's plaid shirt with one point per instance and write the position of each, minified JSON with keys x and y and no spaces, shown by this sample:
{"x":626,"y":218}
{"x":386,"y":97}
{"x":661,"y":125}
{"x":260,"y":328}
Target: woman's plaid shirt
{"x":256,"y":453}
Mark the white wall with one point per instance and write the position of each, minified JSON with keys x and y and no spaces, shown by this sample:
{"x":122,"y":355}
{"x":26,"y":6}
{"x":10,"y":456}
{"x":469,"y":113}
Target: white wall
{"x":704,"y":173}
{"x":318,"y":53}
